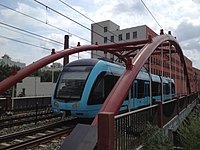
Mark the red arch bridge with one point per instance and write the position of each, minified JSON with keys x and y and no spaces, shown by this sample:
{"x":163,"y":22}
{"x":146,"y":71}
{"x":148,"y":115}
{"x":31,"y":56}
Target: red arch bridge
{"x":121,"y":131}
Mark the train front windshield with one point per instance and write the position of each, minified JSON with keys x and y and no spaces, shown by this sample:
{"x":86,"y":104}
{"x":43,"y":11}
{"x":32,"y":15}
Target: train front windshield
{"x":71,"y":83}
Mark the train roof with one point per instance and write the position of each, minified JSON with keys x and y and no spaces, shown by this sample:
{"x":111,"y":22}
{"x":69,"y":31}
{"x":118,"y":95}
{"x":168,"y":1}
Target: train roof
{"x":83,"y":62}
{"x":170,"y":80}
{"x":143,"y":76}
{"x":164,"y":80}
{"x":155,"y":78}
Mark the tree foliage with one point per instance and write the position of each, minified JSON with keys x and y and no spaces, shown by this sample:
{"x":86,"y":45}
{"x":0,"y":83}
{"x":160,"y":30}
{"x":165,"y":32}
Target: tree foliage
{"x":189,"y":131}
{"x":6,"y":71}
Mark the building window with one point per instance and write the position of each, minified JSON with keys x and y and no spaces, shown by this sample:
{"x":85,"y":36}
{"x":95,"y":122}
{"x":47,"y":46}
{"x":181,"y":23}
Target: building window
{"x":135,"y":35}
{"x":105,"y":39}
{"x":120,"y":37}
{"x":112,"y":38}
{"x":127,"y":36}
{"x":105,"y":29}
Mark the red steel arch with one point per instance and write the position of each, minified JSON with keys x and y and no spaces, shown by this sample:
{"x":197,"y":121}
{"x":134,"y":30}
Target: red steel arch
{"x":121,"y":89}
{"x":124,"y":50}
{"x":13,"y":79}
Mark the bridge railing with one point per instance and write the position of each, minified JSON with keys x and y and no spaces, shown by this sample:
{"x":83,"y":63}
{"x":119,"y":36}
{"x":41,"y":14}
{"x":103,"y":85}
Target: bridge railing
{"x":170,"y":109}
{"x":127,"y":128}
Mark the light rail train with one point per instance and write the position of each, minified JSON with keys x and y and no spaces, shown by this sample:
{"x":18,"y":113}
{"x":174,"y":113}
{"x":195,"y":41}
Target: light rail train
{"x":83,"y":86}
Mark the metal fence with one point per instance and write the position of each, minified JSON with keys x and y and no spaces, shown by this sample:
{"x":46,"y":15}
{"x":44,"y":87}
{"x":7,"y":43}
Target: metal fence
{"x":129,"y":126}
{"x":27,"y":103}
{"x":23,"y":103}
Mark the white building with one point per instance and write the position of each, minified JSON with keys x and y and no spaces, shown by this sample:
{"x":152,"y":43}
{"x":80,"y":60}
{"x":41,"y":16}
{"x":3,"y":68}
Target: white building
{"x":32,"y":86}
{"x":6,"y":60}
{"x":107,"y":32}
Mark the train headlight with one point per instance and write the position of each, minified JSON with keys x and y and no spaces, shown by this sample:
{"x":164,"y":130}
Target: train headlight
{"x":75,"y":105}
{"x":56,"y":104}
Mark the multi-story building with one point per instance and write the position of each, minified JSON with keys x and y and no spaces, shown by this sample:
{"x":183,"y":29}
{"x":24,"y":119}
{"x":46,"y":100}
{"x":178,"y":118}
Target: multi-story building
{"x":108,"y":32}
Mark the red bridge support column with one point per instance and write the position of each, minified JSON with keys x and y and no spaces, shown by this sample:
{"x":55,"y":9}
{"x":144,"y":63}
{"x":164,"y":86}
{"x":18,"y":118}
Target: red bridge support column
{"x":105,"y":131}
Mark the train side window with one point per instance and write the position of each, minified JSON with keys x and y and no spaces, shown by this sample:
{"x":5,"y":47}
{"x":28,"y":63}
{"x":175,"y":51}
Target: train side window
{"x":155,"y":89}
{"x":164,"y":88}
{"x":140,"y":89}
{"x":168,"y":88}
{"x":132,"y":92}
{"x":135,"y":89}
{"x":173,"y":88}
{"x":147,"y":89}
{"x":101,"y":88}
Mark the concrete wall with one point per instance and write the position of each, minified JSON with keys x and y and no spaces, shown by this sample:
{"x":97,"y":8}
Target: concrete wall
{"x":32,"y":86}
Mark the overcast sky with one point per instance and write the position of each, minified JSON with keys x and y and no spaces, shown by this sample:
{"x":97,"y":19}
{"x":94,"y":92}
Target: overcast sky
{"x":182,"y":17}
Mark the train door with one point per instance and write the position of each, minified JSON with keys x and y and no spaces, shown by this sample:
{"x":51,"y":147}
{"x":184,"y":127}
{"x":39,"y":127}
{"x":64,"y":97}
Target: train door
{"x":146,"y":94}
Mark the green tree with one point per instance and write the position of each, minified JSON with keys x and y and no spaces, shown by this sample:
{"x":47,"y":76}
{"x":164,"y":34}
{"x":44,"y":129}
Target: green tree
{"x":6,"y":71}
{"x":189,"y":131}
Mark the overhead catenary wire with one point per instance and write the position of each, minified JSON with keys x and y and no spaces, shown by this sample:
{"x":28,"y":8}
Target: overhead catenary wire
{"x":30,"y":44}
{"x":40,"y":22}
{"x":89,"y":19}
{"x":44,"y":22}
{"x":27,"y":31}
{"x":31,"y":33}
{"x":151,"y":13}
{"x":70,"y":19}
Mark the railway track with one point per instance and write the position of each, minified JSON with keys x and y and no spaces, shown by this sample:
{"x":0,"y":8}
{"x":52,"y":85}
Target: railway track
{"x":34,"y":137}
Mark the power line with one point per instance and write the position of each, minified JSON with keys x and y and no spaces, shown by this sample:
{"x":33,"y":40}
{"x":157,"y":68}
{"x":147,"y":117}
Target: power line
{"x":89,"y":19}
{"x":70,"y":19}
{"x":76,"y":10}
{"x":45,"y":23}
{"x":151,"y":14}
{"x":16,"y":28}
{"x":28,"y":35}
{"x":4,"y":37}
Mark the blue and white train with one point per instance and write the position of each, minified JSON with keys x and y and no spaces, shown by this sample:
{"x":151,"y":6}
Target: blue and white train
{"x":83,"y":86}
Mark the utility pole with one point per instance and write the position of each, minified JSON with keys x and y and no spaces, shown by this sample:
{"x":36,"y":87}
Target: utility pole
{"x":66,"y":46}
